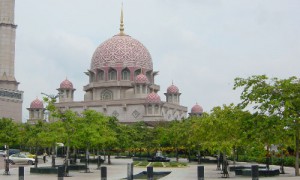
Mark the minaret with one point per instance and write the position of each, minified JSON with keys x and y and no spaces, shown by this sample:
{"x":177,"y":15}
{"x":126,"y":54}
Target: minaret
{"x":10,"y":97}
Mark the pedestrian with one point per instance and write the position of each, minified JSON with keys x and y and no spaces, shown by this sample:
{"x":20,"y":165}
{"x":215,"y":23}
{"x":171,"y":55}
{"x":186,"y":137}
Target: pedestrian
{"x":44,"y":157}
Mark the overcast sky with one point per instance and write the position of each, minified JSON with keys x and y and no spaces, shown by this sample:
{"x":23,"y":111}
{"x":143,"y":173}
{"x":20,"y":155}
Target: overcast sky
{"x":200,"y":45}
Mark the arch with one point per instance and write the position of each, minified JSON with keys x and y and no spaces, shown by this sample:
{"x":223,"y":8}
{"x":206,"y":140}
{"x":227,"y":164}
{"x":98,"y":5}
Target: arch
{"x":137,"y":72}
{"x":100,"y":75}
{"x":112,"y":74}
{"x":106,"y":95}
{"x":156,"y":109}
{"x":125,"y":74}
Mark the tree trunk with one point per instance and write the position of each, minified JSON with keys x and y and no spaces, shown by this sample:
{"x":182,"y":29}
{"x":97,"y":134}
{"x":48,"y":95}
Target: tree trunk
{"x":297,"y":139}
{"x":87,"y":156}
{"x":199,"y":156}
{"x":225,"y":166}
{"x":53,"y":156}
{"x":234,"y":155}
{"x":189,"y":154}
{"x":218,"y":161}
{"x":67,"y":159}
{"x":108,"y":158}
{"x":36,"y":157}
{"x":176,"y":154}
{"x":282,"y":163}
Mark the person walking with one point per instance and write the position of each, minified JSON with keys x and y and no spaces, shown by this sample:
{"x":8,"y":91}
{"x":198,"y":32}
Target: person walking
{"x":44,"y":157}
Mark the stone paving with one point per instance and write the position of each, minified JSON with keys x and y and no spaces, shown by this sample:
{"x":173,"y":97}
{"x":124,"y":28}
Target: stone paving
{"x":118,"y":170}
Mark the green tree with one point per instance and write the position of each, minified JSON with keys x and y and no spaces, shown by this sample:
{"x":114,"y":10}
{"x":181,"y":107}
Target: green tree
{"x":89,"y":127}
{"x":9,"y":135}
{"x":278,"y":97}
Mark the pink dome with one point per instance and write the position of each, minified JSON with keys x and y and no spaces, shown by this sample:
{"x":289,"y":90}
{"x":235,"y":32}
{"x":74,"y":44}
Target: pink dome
{"x":66,"y":84}
{"x":172,"y":89}
{"x":153,"y":98}
{"x":141,"y":79}
{"x":121,"y":51}
{"x":197,"y":109}
{"x":37,"y":104}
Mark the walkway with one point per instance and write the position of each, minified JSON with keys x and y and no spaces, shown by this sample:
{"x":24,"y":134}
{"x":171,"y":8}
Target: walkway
{"x":118,"y":170}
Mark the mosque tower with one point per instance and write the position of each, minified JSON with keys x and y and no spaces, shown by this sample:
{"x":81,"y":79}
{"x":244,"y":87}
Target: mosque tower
{"x":11,"y":98}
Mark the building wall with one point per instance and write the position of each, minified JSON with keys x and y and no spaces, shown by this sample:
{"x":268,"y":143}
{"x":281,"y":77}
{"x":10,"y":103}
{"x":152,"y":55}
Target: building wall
{"x":7,"y":39}
{"x":10,"y":98}
{"x":11,"y":109}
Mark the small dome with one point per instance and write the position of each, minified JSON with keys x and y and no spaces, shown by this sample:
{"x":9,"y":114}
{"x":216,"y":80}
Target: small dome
{"x":197,"y":109}
{"x":37,"y":104}
{"x":141,"y":79}
{"x":66,"y":84}
{"x":173,"y":89}
{"x":121,"y":51}
{"x":153,"y":98}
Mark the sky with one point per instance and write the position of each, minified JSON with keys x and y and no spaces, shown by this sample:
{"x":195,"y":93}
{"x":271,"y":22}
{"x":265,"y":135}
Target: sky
{"x":199,"y":45}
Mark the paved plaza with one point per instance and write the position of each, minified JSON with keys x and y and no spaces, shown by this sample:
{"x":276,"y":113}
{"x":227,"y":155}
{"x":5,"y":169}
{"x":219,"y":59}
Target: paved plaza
{"x":118,"y":170}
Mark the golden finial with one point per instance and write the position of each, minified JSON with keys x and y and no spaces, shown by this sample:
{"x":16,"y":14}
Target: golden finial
{"x":122,"y":22}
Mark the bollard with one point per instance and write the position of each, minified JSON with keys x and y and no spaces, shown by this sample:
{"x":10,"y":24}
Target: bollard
{"x":150,"y":173}
{"x":21,"y":173}
{"x":254,"y":172}
{"x":103,"y":173}
{"x":130,"y":171}
{"x":60,"y":172}
{"x":200,"y":172}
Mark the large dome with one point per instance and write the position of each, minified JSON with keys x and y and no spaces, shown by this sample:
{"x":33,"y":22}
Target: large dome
{"x":121,"y":51}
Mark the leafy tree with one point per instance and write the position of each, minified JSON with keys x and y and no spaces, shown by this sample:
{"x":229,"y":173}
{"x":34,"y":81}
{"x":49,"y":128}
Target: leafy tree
{"x":8,"y":136}
{"x":278,"y":97}
{"x":175,"y":132}
{"x":88,"y":127}
{"x":69,"y":120}
{"x":110,"y":133}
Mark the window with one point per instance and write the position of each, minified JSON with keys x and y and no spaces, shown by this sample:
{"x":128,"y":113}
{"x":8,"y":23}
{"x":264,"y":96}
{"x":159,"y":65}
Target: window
{"x":144,"y":89}
{"x":137,"y":72}
{"x":126,"y":74}
{"x":106,"y":95}
{"x":112,"y":74}
{"x":100,"y":75}
{"x":156,"y":109}
{"x":149,"y":109}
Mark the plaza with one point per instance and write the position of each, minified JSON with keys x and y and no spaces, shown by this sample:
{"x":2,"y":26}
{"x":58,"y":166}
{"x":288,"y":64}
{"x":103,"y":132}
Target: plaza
{"x":118,"y":170}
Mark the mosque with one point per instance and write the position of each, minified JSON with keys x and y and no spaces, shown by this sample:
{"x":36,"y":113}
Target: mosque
{"x":121,"y":82}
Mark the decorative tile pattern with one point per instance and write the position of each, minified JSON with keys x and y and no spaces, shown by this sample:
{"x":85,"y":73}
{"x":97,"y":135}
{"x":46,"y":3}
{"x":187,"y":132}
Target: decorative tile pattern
{"x":66,"y":84}
{"x":135,"y":114}
{"x":172,"y":89}
{"x":121,"y":50}
{"x":141,"y":79}
{"x":153,"y":98}
{"x":37,"y":104}
{"x":115,"y":114}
